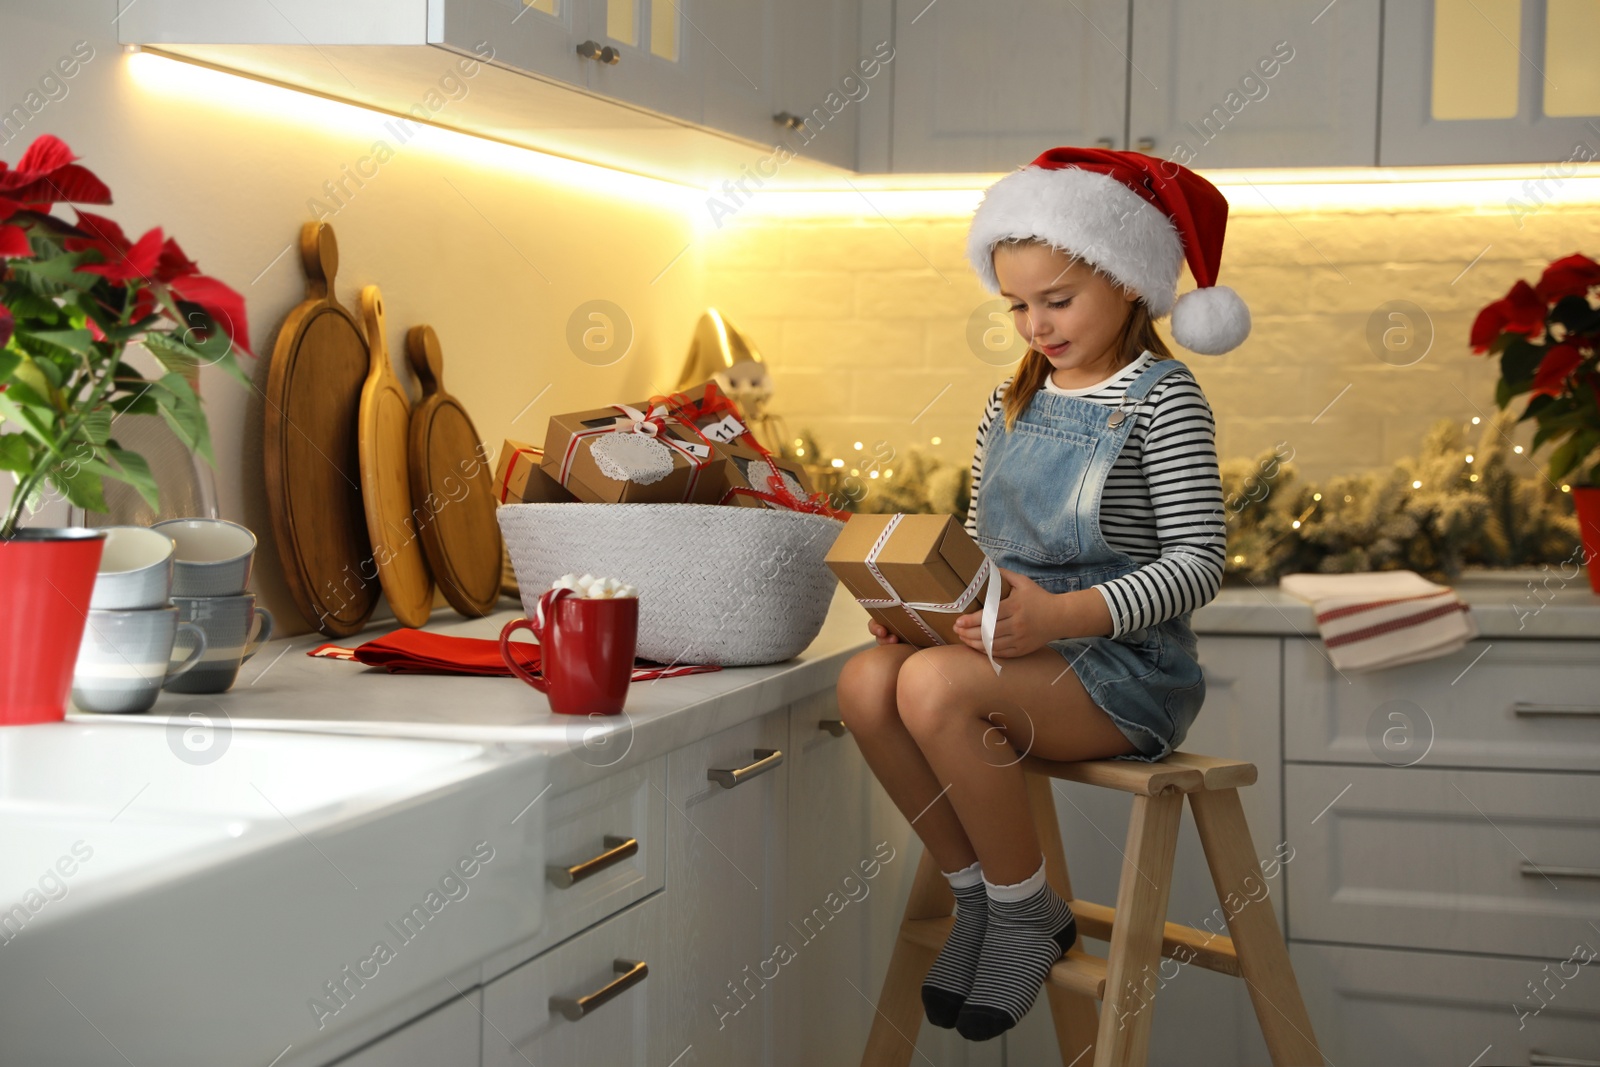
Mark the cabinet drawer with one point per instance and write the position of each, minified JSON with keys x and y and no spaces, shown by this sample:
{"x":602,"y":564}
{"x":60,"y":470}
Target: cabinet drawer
{"x":588,"y":834}
{"x":1467,"y":861}
{"x":522,"y":1026}
{"x":447,"y":1035}
{"x":1373,"y":1006}
{"x":1528,"y":704}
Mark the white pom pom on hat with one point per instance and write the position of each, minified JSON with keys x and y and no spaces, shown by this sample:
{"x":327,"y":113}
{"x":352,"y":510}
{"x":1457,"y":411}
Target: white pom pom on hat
{"x":1137,"y":219}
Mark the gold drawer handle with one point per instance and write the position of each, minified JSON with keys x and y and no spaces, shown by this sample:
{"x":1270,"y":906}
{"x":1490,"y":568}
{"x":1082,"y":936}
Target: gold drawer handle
{"x":766,"y":759}
{"x":1524,"y":709}
{"x":617,"y":850}
{"x":629,"y":973}
{"x":1542,"y":1059}
{"x":1540,"y":870}
{"x":836,"y":727}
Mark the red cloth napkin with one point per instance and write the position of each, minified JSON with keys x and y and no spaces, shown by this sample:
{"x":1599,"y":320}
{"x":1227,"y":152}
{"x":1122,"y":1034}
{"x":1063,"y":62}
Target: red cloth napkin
{"x":408,"y":651}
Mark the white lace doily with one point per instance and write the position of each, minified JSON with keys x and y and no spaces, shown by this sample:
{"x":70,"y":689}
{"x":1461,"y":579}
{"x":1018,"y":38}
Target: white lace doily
{"x":631,"y":457}
{"x":758,"y":472}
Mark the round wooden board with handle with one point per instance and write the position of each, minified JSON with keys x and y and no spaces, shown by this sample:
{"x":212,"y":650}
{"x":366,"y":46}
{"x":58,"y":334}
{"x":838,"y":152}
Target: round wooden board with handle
{"x":386,"y":477}
{"x":452,"y":486}
{"x":310,"y":454}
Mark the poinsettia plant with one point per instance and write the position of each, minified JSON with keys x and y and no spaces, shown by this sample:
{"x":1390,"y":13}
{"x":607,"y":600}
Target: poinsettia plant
{"x":1547,"y":336}
{"x":73,"y":297}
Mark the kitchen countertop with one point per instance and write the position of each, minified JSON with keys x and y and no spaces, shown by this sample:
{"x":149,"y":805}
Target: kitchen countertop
{"x":283,"y":688}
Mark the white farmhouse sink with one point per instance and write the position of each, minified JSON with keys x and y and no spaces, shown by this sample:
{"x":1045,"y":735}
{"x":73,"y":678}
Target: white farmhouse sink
{"x":171,"y":895}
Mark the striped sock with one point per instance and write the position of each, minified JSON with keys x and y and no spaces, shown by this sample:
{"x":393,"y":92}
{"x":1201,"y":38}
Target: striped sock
{"x":950,"y":978}
{"x":1030,"y":927}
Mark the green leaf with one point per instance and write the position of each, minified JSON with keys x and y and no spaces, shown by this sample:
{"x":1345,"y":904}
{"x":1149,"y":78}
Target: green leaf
{"x":1572,"y":451}
{"x":15,"y":453}
{"x":27,"y":416}
{"x":57,"y":271}
{"x":82,"y":487}
{"x":78,"y":341}
{"x":135,"y":403}
{"x":180,"y":407}
{"x":1502,"y":394}
{"x":171,"y":353}
{"x":136,"y":473}
{"x":1519,"y":362}
{"x":96,"y":427}
{"x":8,"y":363}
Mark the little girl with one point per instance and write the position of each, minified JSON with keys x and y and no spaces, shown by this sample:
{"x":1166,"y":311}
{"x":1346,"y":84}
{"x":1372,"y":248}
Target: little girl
{"x":1098,"y":496}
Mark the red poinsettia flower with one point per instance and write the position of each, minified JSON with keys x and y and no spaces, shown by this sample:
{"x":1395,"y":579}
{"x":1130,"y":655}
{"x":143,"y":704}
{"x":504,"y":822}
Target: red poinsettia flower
{"x":1570,"y":276}
{"x":1519,"y":311}
{"x":121,"y":261}
{"x":45,"y":175}
{"x":224,"y":306}
{"x":1557,"y":365}
{"x":173,"y":263}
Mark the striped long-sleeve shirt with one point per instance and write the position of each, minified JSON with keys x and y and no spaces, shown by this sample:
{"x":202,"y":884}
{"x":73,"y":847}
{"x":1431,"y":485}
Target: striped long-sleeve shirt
{"x":1163,"y":497}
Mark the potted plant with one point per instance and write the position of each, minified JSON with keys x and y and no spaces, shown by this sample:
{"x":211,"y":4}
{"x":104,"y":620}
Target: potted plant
{"x":73,"y":296}
{"x":1546,"y":336}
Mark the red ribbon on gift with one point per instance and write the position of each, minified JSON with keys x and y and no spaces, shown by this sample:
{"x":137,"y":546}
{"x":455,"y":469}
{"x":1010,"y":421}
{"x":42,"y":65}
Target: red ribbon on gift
{"x":511,"y":467}
{"x":652,"y":423}
{"x":777,"y":493}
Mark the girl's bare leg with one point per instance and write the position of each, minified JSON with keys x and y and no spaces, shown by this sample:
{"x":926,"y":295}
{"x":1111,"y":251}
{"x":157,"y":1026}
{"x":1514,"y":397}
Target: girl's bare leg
{"x":868,"y":702}
{"x":972,"y":728}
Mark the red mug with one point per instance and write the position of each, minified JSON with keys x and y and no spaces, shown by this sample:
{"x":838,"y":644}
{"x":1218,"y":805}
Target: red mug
{"x":586,"y":650}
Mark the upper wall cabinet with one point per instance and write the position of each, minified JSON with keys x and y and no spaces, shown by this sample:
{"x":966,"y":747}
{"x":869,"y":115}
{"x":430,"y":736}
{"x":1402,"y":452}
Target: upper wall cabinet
{"x":987,"y":87}
{"x":1490,"y":81}
{"x":1244,"y":83}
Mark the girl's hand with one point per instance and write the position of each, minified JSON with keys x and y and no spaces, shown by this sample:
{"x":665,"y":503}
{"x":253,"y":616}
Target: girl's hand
{"x":882,"y":633}
{"x":1030,"y":618}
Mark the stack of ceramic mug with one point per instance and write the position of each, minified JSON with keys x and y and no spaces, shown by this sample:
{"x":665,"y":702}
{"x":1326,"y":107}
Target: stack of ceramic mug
{"x":178,"y":583}
{"x":211,"y":561}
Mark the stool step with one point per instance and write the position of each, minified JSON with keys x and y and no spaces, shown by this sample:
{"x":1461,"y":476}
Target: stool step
{"x":1182,"y":943}
{"x":1078,"y":971}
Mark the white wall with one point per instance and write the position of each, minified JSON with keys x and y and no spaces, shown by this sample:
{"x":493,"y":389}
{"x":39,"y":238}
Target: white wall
{"x":457,"y":232}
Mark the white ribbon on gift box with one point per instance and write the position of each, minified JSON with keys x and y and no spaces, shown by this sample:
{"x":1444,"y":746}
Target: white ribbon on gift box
{"x":991,"y":599}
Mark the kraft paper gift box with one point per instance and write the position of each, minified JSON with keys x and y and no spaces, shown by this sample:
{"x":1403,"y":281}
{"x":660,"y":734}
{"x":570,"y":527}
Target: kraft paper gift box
{"x":518,"y":478}
{"x":694,"y":475}
{"x":723,"y":426}
{"x":737,"y":473}
{"x":925,"y":559}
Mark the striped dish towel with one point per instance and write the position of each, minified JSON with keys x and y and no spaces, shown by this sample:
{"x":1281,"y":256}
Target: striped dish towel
{"x":1383,"y":619}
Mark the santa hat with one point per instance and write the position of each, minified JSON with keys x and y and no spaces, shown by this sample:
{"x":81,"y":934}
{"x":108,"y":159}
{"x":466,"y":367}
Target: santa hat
{"x":1137,"y":219}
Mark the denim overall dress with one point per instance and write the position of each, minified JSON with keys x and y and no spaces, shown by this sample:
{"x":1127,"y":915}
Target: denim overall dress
{"x":1039,"y":514}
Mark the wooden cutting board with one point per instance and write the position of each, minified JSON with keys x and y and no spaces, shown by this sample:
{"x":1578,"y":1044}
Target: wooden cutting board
{"x":386,"y":477}
{"x":452,"y":487}
{"x":310,"y":454}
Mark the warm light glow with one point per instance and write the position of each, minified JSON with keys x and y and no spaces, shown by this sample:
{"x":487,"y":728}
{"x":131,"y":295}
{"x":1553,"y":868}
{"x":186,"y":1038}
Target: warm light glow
{"x":838,"y":463}
{"x":936,"y":440}
{"x":1517,"y":449}
{"x":874,"y":474}
{"x":1472,"y":478}
{"x":1566,"y":488}
{"x":1474,"y":420}
{"x":1469,"y":457}
{"x":799,"y":451}
{"x":1347,"y":498}
{"x":1295,"y":524}
{"x":1316,"y":496}
{"x":1238,"y":559}
{"x":1416,"y":485}
{"x":858,"y":446}
{"x":889,"y":473}
{"x":192,"y":86}
{"x":854,"y":471}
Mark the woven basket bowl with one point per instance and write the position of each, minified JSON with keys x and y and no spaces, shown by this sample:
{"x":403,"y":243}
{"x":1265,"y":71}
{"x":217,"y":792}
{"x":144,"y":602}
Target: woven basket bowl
{"x":725,"y":585}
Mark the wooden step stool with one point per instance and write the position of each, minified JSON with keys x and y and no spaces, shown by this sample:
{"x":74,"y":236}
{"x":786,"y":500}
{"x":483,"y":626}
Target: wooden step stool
{"x":1125,"y":981}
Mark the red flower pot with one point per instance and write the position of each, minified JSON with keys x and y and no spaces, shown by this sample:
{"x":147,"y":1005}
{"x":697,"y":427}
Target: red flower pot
{"x":46,"y":577}
{"x":1586,"y":500}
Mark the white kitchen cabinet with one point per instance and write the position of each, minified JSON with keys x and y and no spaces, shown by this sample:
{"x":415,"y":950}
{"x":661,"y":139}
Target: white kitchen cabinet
{"x":1247,"y":84}
{"x":661,"y":52}
{"x":820,"y":79}
{"x":1202,"y":1019}
{"x":737,"y":42}
{"x":1495,"y":862}
{"x":987,"y":87}
{"x":1490,"y":81}
{"x":547,"y":1011}
{"x":449,"y":1036}
{"x":1497,"y":704}
{"x":1428,"y":1009}
{"x":723,"y":973}
{"x":540,"y":37}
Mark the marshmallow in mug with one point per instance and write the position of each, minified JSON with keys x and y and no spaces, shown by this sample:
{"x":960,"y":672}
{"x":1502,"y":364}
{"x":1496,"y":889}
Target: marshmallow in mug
{"x":595,"y":588}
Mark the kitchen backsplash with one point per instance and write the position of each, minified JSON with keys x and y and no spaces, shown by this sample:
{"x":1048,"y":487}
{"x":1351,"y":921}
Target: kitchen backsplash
{"x":866,"y":322}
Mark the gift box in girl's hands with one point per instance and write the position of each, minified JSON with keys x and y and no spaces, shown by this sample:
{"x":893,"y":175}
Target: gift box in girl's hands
{"x":916,"y":574}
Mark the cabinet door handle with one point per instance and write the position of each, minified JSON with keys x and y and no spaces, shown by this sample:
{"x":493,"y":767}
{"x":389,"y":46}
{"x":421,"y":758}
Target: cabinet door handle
{"x":1103,"y":142}
{"x":1539,"y":870}
{"x":836,"y":727}
{"x":1524,"y":708}
{"x":617,"y":850}
{"x":1145,"y":144}
{"x":766,"y":759}
{"x":1544,"y":1059}
{"x":629,"y":973}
